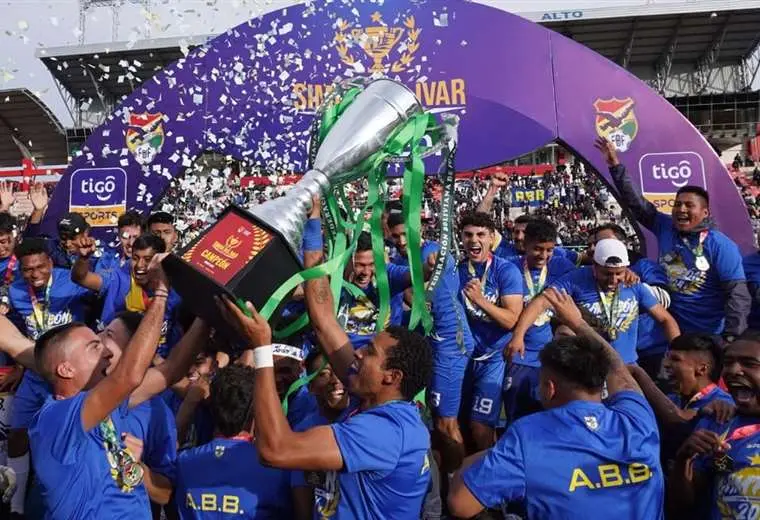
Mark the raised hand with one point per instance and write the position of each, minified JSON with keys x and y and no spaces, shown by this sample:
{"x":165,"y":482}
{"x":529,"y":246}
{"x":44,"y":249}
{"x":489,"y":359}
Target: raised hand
{"x":564,"y":307}
{"x":7,"y":197}
{"x":158,"y":277}
{"x":39,"y":196}
{"x":252,"y":327}
{"x":85,"y":246}
{"x":607,"y":149}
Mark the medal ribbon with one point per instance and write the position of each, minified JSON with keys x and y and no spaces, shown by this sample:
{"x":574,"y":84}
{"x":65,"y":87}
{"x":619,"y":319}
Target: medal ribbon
{"x":41,"y":311}
{"x":698,"y":251}
{"x":742,"y":433}
{"x":10,"y":269}
{"x":121,"y":457}
{"x":610,"y":309}
{"x":534,"y":289}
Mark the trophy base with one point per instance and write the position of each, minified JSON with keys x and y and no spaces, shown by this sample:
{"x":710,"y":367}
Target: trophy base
{"x":240,"y":257}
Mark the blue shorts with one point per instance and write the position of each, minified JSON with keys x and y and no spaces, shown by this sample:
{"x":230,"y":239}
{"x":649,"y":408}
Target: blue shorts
{"x":521,"y":396}
{"x":485,"y":380}
{"x":29,"y":398}
{"x":445,"y":396}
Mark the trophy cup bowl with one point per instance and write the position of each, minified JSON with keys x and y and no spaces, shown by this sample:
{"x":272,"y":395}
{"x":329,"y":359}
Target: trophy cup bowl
{"x":250,"y":254}
{"x":377,"y":43}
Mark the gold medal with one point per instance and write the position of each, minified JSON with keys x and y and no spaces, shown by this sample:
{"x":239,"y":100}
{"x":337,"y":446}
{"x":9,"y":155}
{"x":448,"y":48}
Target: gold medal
{"x":701,"y":263}
{"x":131,"y":473}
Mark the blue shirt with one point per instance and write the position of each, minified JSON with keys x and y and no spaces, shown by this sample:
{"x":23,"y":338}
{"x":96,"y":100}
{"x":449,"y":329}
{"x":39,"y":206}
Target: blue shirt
{"x":358,"y":316}
{"x":697,"y":297}
{"x":540,"y":333}
{"x":66,"y":303}
{"x":502,"y":279}
{"x":73,"y":468}
{"x":380,"y":483}
{"x":301,"y":405}
{"x":112,"y":259}
{"x":733,"y":492}
{"x":153,"y":422}
{"x":651,"y":337}
{"x":115,"y":287}
{"x":702,"y":398}
{"x":751,"y":265}
{"x":225,"y":478}
{"x":451,"y":332}
{"x":582,"y":287}
{"x":28,"y":399}
{"x":583,"y":459}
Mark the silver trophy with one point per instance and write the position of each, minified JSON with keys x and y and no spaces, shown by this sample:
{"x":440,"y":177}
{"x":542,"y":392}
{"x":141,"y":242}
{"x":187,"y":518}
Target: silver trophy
{"x":361,"y":131}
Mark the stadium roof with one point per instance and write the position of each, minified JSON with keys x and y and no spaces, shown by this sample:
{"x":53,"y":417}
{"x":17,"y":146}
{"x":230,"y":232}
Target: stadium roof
{"x":28,"y":129}
{"x":112,"y":70}
{"x":644,"y":38}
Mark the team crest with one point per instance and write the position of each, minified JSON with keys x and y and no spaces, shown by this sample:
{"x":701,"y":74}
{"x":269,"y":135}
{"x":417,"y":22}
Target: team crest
{"x":145,"y":136}
{"x":377,"y":42}
{"x":218,"y":452}
{"x":591,"y":423}
{"x":616,"y":121}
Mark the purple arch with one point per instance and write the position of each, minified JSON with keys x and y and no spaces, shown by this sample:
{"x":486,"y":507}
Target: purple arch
{"x":516,"y":85}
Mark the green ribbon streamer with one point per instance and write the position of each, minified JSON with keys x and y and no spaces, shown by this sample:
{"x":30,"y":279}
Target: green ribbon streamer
{"x":299,"y":383}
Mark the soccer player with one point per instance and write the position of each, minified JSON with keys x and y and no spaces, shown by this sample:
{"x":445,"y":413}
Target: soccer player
{"x":651,"y":343}
{"x":721,"y":461}
{"x":492,"y":294}
{"x":359,"y":304}
{"x":706,"y":279}
{"x":376,"y":460}
{"x":539,"y":268}
{"x":9,"y":267}
{"x":452,"y":345}
{"x":161,"y":224}
{"x":88,"y":452}
{"x":128,"y":291}
{"x":225,"y":477}
{"x":580,"y":456}
{"x":600,"y":289}
{"x":129,"y":227}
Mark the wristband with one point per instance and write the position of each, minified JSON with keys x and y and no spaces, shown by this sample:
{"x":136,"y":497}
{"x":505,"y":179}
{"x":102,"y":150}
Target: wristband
{"x":312,"y":235}
{"x":262,"y":357}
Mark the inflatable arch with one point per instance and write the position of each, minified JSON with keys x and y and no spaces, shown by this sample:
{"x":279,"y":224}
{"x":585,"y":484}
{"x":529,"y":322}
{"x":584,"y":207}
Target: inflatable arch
{"x":251,"y":92}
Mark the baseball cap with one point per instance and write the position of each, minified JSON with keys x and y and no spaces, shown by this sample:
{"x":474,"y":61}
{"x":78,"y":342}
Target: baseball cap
{"x":611,"y":252}
{"x":72,"y":224}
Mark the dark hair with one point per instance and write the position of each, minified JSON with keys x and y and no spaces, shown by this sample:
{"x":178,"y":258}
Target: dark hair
{"x":578,"y":360}
{"x":394,"y":219}
{"x":130,"y":218}
{"x":7,"y":224}
{"x":230,"y":395}
{"x":149,"y":241}
{"x":477,"y":219}
{"x":523,"y":219}
{"x":31,"y":246}
{"x":696,"y":190}
{"x":698,"y":342}
{"x":610,"y":226}
{"x":364,"y":243}
{"x":49,"y":340}
{"x":592,"y":321}
{"x":313,"y":361}
{"x":540,"y":230}
{"x":411,"y":355}
{"x":160,"y":217}
{"x":131,"y":320}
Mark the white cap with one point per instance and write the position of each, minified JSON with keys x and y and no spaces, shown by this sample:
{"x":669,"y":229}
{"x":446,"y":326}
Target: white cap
{"x":611,"y":252}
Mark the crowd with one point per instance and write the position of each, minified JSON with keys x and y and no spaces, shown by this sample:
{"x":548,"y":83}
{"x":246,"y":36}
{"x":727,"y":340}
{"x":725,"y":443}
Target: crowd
{"x":549,"y":383}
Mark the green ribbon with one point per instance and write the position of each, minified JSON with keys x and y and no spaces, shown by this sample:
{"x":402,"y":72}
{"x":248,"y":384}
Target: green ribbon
{"x":299,"y":383}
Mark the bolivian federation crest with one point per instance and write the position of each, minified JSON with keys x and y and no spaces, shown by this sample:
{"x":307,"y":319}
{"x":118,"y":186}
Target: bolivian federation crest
{"x":145,"y":136}
{"x":616,"y":121}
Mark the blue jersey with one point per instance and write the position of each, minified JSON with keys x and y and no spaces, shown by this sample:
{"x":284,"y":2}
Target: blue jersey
{"x":751,"y":265}
{"x":450,"y":332}
{"x":504,"y":249}
{"x":651,"y":336}
{"x":697,"y":297}
{"x":73,"y":469}
{"x":358,"y":315}
{"x":112,"y":259}
{"x":733,"y":488}
{"x":301,"y":405}
{"x":499,"y":278}
{"x":540,"y":333}
{"x":153,"y":422}
{"x":225,"y":479}
{"x":67,"y":303}
{"x":702,"y":398}
{"x":115,"y":288}
{"x":379,"y":483}
{"x":30,"y":395}
{"x":582,"y":287}
{"x":583,"y":458}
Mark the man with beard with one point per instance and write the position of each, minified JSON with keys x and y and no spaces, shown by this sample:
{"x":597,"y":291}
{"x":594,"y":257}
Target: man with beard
{"x":161,"y":224}
{"x":581,"y":456}
{"x":722,"y":461}
{"x":122,"y":291}
{"x":705,"y":274}
{"x":491,"y":291}
{"x":390,"y":482}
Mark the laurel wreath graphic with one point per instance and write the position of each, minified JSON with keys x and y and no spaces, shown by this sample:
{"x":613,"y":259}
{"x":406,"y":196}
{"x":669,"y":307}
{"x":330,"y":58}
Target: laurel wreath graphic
{"x":342,"y":39}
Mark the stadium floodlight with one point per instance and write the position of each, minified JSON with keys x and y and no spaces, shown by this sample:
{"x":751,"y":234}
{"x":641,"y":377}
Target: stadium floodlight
{"x":115,"y":5}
